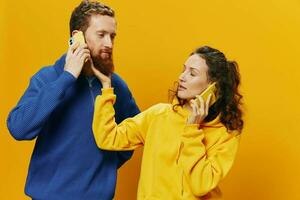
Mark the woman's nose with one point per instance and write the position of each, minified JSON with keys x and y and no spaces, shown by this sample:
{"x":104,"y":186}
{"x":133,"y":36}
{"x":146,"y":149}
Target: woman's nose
{"x":182,"y":77}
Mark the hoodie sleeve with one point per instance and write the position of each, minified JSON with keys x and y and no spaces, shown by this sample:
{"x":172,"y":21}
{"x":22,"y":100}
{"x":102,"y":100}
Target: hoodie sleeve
{"x":128,"y":135}
{"x":130,"y":109}
{"x":206,"y":159}
{"x":26,"y":120}
{"x":127,"y":108}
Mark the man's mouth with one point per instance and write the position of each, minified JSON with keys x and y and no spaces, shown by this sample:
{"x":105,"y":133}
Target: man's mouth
{"x":105,"y":54}
{"x":106,"y":51}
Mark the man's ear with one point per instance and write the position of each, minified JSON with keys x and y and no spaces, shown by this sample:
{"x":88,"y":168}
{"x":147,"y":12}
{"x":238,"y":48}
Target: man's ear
{"x":74,"y":32}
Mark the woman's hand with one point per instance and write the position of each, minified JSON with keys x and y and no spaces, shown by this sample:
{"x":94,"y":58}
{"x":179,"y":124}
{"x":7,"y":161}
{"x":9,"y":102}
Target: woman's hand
{"x":105,"y":80}
{"x":200,"y":110}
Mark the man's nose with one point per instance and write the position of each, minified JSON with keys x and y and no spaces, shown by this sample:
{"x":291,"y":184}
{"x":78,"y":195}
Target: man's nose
{"x":108,"y":41}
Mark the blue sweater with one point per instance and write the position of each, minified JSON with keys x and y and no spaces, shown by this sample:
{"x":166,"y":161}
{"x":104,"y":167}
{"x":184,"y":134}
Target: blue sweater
{"x":57,"y":109}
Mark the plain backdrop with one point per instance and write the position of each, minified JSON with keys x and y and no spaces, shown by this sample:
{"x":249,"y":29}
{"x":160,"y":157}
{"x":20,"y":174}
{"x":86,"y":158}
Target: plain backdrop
{"x":154,"y":40}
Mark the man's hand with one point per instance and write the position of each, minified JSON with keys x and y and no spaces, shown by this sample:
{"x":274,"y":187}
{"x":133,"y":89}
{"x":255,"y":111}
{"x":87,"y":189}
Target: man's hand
{"x":76,"y":57}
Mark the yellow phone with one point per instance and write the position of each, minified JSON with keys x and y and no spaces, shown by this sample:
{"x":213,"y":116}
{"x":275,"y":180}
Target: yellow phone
{"x":211,"y":89}
{"x":77,"y":37}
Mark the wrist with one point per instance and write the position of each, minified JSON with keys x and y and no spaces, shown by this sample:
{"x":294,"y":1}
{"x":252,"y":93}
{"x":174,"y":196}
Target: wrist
{"x":72,"y":72}
{"x":106,"y":84}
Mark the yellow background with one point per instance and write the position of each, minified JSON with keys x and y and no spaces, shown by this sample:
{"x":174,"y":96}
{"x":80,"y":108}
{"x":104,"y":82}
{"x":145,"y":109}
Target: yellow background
{"x":154,"y":39}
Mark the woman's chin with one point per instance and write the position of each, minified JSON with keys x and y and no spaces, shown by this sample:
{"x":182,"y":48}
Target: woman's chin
{"x":184,"y":96}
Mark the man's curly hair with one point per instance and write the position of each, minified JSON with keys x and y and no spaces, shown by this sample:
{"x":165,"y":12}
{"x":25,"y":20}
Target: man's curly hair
{"x":81,"y":14}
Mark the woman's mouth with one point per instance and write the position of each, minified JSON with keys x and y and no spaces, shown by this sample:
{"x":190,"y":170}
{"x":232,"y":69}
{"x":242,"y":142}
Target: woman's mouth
{"x":181,"y":87}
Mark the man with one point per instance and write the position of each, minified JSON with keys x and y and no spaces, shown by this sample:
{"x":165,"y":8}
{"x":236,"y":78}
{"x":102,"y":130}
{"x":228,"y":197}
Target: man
{"x":57,"y":109}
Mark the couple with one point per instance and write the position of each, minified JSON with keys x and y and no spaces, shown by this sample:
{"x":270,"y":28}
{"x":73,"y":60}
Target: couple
{"x":71,"y":109}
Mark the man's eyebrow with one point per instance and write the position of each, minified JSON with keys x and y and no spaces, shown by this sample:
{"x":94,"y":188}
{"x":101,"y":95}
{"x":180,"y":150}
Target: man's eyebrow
{"x":103,"y":31}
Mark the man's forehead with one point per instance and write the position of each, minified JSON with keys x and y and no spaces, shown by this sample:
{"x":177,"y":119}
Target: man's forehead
{"x":102,"y":19}
{"x":102,"y":23}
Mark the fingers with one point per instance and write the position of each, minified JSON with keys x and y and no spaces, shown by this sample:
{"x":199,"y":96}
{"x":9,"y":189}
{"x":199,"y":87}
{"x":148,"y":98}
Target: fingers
{"x":193,"y":104}
{"x":84,"y":52}
{"x":105,"y":80}
{"x":79,"y":49}
{"x":85,"y":57}
{"x":73,"y":47}
{"x":207,"y":104}
{"x":73,"y":50}
{"x":96,"y":72}
{"x":202,"y":107}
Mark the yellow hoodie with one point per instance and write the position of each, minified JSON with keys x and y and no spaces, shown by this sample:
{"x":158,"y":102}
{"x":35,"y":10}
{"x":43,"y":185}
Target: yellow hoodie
{"x":179,"y":160}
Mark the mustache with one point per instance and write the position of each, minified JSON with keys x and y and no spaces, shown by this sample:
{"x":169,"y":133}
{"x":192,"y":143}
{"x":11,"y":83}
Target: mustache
{"x":106,"y":50}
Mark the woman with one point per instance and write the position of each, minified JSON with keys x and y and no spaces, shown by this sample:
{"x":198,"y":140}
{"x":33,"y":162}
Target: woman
{"x":189,"y":147}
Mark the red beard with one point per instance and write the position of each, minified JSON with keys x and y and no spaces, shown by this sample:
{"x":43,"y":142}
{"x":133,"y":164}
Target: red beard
{"x":105,"y":66}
